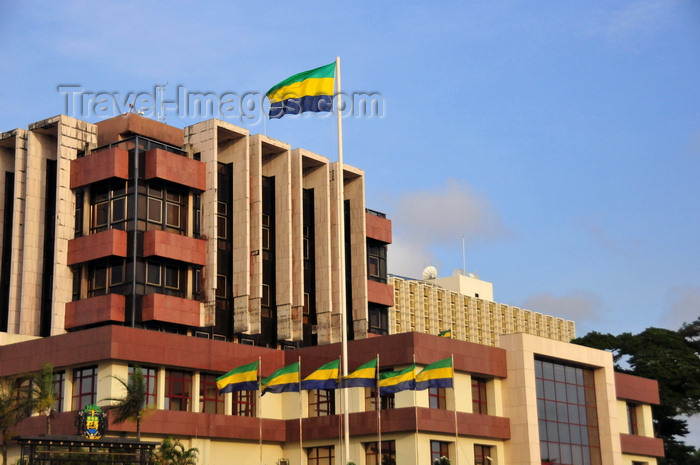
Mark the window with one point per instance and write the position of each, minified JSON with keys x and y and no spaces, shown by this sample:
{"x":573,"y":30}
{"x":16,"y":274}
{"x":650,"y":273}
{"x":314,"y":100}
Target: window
{"x":107,"y":206}
{"x":386,"y":402}
{"x":178,"y":385}
{"x":321,"y":402}
{"x":376,"y":261}
{"x":84,"y":387}
{"x":244,"y":403}
{"x":482,"y":454}
{"x":150,"y":379}
{"x":104,"y":277}
{"x":378,"y":319}
{"x":166,"y":206}
{"x":387,"y":456}
{"x":437,"y":398}
{"x":439,"y":449}
{"x":320,"y":455}
{"x":479,"y":401}
{"x":59,"y":379}
{"x":632,"y":418}
{"x":165,"y":278}
{"x":209,"y":396}
{"x":566,"y":409}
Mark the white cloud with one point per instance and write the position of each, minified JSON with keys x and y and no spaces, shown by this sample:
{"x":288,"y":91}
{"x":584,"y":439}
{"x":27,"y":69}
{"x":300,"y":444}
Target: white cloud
{"x":426,"y":221}
{"x":577,"y":305}
{"x":683,"y":306}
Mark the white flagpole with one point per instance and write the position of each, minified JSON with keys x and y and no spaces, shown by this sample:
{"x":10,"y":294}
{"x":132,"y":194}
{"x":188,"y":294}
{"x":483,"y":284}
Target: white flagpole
{"x":378,"y":403}
{"x":259,"y":408}
{"x":341,"y":244}
{"x":301,"y":412}
{"x":454,"y":395}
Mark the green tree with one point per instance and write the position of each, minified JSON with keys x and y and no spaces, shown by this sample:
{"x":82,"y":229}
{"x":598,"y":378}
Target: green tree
{"x":672,"y":358}
{"x":16,"y":404}
{"x":133,"y":405}
{"x":44,"y":394}
{"x":172,"y":452}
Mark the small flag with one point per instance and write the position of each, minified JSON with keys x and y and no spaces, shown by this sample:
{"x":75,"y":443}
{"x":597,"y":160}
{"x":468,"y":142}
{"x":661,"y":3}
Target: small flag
{"x":395,"y":381}
{"x":364,"y":376}
{"x":325,"y":377}
{"x":243,"y":378}
{"x":435,"y":375}
{"x":285,"y":379}
{"x":311,"y":90}
{"x":446,"y":333}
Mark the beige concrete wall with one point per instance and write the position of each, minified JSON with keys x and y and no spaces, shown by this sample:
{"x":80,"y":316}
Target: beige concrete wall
{"x":520,"y":397}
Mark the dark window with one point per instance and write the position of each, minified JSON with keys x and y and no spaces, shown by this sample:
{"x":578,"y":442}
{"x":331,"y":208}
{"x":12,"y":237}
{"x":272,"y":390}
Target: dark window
{"x":150,"y":378}
{"x":378,"y":319}
{"x":387,"y":456}
{"x":321,"y":455}
{"x":321,"y":402}
{"x":84,"y":387}
{"x":166,"y":207}
{"x":107,"y":206}
{"x":385,"y":402}
{"x":104,"y":277}
{"x":244,"y":403}
{"x":566,"y":409}
{"x":479,"y":401}
{"x":439,"y":449}
{"x":209,"y":396}
{"x":58,"y":383}
{"x":482,"y":454}
{"x":178,"y":385}
{"x":632,"y":418}
{"x":376,"y":261}
{"x":165,"y":278}
{"x":437,"y":398}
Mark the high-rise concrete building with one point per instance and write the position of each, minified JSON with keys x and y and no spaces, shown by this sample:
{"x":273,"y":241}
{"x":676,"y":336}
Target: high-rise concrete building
{"x":191,"y":252}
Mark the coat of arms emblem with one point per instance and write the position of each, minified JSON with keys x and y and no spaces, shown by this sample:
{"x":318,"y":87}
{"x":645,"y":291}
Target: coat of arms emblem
{"x":92,"y":422}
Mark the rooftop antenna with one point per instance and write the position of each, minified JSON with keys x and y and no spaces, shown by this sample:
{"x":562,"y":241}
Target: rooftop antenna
{"x":162,"y":117}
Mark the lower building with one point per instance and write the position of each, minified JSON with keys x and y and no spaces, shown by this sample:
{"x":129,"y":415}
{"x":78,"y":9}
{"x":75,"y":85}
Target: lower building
{"x":530,"y":401}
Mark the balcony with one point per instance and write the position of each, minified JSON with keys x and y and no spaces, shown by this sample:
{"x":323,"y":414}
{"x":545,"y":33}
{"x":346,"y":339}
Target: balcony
{"x":379,"y":293}
{"x":170,"y":309}
{"x":110,"y":243}
{"x":378,"y":228}
{"x":169,"y":166}
{"x":108,"y":163}
{"x":107,"y":308}
{"x":164,"y":244}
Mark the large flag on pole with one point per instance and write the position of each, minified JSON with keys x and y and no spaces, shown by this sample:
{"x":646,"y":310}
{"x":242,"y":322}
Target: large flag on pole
{"x":364,"y":376}
{"x":446,"y":333}
{"x":435,"y":375}
{"x":285,"y":379}
{"x":395,"y":381}
{"x":243,"y":378}
{"x":326,"y":377}
{"x":311,"y":90}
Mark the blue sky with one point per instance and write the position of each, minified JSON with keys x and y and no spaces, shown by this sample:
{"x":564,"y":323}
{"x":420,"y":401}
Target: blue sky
{"x":561,"y":140}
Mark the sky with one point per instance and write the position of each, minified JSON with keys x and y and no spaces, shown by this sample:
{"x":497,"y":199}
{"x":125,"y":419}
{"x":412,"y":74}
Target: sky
{"x":551,"y":147}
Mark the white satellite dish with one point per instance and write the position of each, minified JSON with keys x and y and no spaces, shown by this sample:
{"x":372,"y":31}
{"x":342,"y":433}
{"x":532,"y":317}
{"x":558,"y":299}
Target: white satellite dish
{"x":430,"y":272}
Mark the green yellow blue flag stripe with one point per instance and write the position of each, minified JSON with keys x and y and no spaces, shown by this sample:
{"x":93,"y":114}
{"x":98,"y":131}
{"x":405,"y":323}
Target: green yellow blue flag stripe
{"x":364,"y":376}
{"x":326,"y":377}
{"x":311,"y":90}
{"x":243,"y":378}
{"x":436,"y":375}
{"x":446,"y":333}
{"x":395,"y":381}
{"x":285,"y":379}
